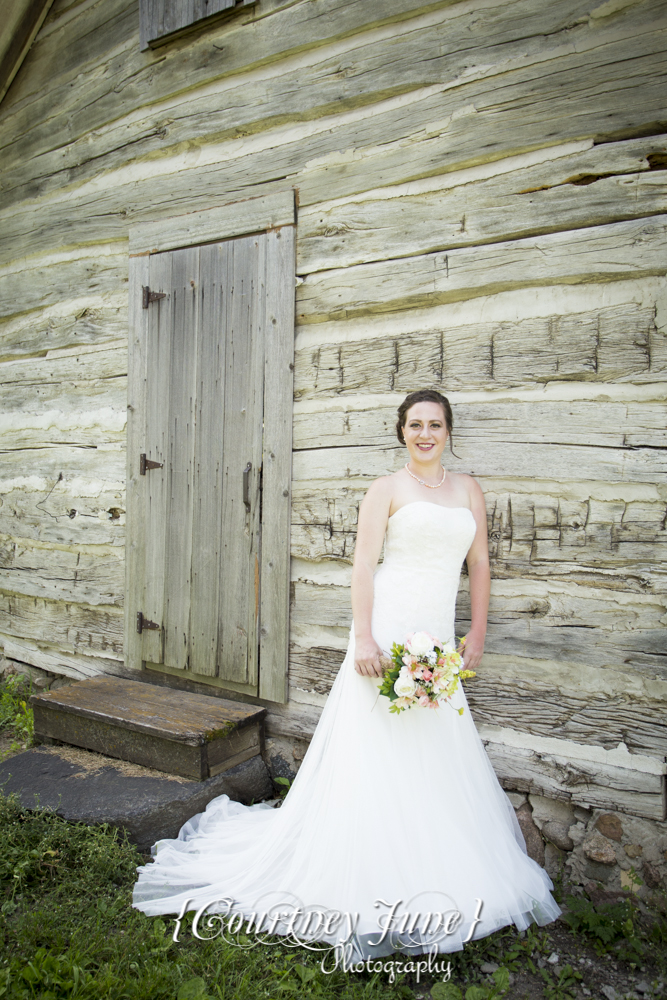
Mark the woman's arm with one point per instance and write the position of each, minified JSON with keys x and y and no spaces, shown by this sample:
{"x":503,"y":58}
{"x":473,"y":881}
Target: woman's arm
{"x":479,"y":575}
{"x":373,"y":516}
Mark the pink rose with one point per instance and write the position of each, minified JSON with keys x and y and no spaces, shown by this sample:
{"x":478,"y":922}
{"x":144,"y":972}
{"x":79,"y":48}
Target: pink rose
{"x":424,"y":700}
{"x":427,"y":675}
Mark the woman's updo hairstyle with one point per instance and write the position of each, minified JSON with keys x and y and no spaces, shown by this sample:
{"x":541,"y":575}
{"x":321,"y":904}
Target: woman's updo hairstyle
{"x":424,"y":396}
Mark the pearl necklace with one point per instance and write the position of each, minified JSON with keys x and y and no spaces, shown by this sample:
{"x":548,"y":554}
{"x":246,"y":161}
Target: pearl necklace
{"x":421,"y":481}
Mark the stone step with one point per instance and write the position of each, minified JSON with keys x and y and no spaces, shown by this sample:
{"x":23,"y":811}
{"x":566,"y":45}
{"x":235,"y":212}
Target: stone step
{"x":192,"y":735}
{"x":84,"y":787}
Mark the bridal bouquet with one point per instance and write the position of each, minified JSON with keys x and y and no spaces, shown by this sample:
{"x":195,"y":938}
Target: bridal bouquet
{"x":424,"y":673}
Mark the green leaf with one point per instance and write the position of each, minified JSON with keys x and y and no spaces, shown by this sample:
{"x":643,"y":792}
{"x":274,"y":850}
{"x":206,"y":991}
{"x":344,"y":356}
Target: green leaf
{"x":193,"y":989}
{"x":304,"y":973}
{"x":477,"y":993}
{"x":446,"y":991}
{"x":502,"y":978}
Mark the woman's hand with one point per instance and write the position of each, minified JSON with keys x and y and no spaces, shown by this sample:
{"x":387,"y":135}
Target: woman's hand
{"x":367,"y":655}
{"x":472,"y":650}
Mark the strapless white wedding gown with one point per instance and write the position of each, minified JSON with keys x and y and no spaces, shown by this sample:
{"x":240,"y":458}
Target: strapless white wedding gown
{"x":387,"y":811}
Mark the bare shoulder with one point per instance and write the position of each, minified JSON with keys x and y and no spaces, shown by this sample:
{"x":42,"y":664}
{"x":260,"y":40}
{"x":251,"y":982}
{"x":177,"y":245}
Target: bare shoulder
{"x":466,"y":486}
{"x":380,"y":491}
{"x":473,"y":487}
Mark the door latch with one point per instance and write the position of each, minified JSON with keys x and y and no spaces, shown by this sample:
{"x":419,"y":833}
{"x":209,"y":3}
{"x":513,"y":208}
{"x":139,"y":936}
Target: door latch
{"x":246,"y":485}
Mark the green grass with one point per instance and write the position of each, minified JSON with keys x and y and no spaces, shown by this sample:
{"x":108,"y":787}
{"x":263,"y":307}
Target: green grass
{"x":16,"y":717}
{"x":67,"y":930}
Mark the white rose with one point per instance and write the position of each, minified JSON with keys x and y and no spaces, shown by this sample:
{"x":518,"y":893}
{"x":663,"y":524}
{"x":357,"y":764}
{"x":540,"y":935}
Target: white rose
{"x":420,"y":644}
{"x":404,"y":686}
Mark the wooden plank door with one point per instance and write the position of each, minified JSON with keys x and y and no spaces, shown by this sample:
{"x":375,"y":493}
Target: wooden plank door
{"x":199,"y":357}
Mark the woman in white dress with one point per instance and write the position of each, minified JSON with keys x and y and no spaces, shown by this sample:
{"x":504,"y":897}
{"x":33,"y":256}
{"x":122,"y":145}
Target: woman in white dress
{"x":395,"y":834}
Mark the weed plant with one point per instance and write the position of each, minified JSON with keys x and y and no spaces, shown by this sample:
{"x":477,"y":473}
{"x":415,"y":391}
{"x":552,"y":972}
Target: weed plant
{"x":16,"y":718}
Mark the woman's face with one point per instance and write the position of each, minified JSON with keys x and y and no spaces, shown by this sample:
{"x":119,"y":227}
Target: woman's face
{"x":425,"y":431}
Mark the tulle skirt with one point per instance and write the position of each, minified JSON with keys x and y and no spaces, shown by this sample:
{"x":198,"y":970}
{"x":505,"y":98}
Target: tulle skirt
{"x":397,"y":824}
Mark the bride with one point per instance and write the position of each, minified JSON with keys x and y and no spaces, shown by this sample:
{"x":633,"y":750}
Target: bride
{"x":395,"y":834}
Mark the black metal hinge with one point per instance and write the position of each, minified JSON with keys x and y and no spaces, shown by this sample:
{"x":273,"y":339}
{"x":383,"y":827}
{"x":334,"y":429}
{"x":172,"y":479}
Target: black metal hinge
{"x":148,"y":296}
{"x":146,"y":463}
{"x":143,"y":623}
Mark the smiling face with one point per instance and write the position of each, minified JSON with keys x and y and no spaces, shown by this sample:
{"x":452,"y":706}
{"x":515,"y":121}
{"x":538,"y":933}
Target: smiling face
{"x":425,"y":432}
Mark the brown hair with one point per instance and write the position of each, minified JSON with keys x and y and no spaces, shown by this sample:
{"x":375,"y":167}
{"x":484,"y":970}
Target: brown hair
{"x":424,"y":396}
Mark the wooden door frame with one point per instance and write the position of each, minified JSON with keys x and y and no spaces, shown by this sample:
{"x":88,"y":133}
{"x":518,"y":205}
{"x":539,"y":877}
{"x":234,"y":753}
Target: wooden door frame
{"x":273,"y":213}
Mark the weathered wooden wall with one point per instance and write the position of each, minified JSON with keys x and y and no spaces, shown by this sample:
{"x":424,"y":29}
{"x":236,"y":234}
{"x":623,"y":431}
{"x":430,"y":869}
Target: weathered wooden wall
{"x":482,"y":207}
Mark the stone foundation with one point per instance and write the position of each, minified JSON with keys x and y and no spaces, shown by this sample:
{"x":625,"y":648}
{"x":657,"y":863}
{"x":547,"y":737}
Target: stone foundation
{"x":611,"y":849}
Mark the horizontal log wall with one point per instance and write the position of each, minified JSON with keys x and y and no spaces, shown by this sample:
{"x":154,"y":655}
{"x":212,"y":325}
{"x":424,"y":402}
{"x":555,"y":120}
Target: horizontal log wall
{"x":482,"y":206}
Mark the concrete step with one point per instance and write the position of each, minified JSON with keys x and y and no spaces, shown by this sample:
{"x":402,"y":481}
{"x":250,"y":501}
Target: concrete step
{"x":85,"y":787}
{"x":192,"y":735}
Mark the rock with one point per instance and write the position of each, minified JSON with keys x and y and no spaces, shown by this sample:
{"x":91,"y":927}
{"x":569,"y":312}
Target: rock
{"x":556,"y":833}
{"x":531,"y":834}
{"x":577,"y":832}
{"x":554,"y":859}
{"x":651,"y":876}
{"x":597,"y":895}
{"x":553,"y":958}
{"x":582,"y":815}
{"x":609,"y":992}
{"x":597,"y":848}
{"x":596,"y":871}
{"x":642,"y":987}
{"x":488,"y":968}
{"x":517,"y":798}
{"x":550,"y":810}
{"x":609,"y":826}
{"x":634,"y":850}
{"x":150,"y":805}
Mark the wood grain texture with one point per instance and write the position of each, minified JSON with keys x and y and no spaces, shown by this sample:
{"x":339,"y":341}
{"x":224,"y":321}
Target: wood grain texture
{"x":73,"y":626}
{"x":478,"y":115}
{"x":435,"y":46}
{"x":83,"y":321}
{"x":135,"y":503}
{"x":600,"y":253}
{"x":40,"y":283}
{"x":589,"y":784}
{"x":62,"y":519}
{"x":608,"y":183}
{"x":277,"y":464}
{"x":244,"y":371}
{"x":614,"y":344}
{"x":236,"y":219}
{"x":93,"y":575}
{"x":160,"y":19}
{"x":434,"y":49}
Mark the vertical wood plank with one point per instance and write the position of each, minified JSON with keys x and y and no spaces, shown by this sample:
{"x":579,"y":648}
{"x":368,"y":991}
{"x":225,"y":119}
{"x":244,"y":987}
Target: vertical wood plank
{"x":159,"y":18}
{"x":255,"y":424}
{"x":209,"y":432}
{"x":277,"y":464}
{"x":237,"y":657}
{"x":180,"y":457}
{"x":157,"y":345}
{"x":136,"y":426}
